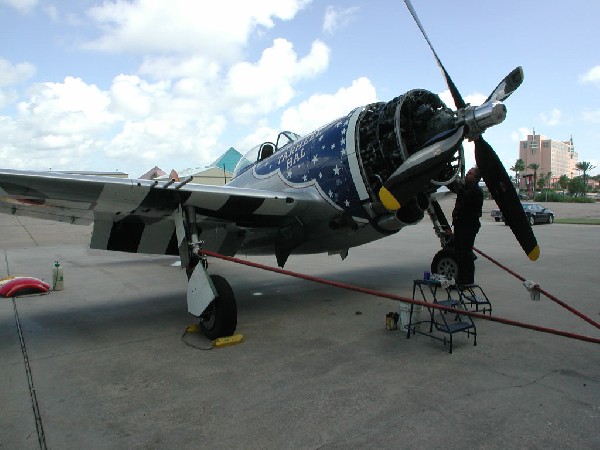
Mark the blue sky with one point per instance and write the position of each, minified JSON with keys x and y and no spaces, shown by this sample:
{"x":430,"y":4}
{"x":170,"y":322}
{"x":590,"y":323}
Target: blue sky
{"x":107,"y":85}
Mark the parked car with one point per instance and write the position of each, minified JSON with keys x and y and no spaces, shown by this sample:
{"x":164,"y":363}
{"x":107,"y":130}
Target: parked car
{"x":535,"y":213}
{"x":497,"y":215}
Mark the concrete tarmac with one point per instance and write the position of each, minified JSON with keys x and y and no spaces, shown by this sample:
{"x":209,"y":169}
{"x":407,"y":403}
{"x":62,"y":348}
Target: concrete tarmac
{"x":109,"y":368}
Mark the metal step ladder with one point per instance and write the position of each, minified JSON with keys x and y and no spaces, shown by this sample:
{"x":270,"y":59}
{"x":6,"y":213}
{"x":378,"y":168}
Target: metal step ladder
{"x":473,"y":297}
{"x":442,"y":324}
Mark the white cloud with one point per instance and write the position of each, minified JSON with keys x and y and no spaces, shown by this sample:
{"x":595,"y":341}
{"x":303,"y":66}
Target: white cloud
{"x":178,"y":104}
{"x":132,"y":97}
{"x":336,"y":18}
{"x":164,"y":138}
{"x":591,"y":76}
{"x":66,"y":108}
{"x":167,"y":68}
{"x":520,"y":135}
{"x":23,"y":6}
{"x":552,"y":118}
{"x":57,"y":125}
{"x":52,"y":12}
{"x":262,"y":87}
{"x":186,"y":26}
{"x":474,"y":99}
{"x":320,"y":109}
{"x":11,"y":74}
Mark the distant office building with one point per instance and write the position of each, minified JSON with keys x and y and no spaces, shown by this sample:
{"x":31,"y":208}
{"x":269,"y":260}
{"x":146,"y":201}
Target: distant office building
{"x":557,"y":157}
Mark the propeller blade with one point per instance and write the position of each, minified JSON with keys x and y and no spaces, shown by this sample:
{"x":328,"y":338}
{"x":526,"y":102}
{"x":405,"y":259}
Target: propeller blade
{"x":458,"y":100}
{"x":502,"y":190}
{"x":507,"y":86}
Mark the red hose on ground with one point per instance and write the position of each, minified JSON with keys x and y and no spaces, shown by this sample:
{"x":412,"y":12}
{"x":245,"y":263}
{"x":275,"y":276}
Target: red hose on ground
{"x":546,"y":293}
{"x":404,"y":299}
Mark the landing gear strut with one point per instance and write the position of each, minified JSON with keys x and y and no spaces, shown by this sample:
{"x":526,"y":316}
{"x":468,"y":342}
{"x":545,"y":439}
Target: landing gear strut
{"x":445,"y":261}
{"x":211,"y":299}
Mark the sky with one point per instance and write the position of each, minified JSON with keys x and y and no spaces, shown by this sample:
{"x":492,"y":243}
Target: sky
{"x":126,"y":85}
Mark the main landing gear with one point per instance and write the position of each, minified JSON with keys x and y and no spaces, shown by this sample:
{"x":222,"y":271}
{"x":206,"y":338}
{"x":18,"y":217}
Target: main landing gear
{"x":445,"y":261}
{"x":210,"y":298}
{"x":220,"y":317}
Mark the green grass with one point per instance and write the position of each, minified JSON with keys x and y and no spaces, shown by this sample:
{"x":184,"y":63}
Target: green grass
{"x":579,"y":221}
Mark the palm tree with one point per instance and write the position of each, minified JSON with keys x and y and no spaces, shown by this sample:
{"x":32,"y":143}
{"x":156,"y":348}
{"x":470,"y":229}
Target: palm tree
{"x":518,"y":167}
{"x":534,"y":167}
{"x":548,"y":179}
{"x":585,"y":167}
{"x":563,"y":182}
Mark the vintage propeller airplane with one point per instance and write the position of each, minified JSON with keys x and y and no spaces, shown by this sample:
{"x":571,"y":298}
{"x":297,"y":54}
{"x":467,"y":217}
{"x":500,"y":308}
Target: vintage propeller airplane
{"x":359,"y":178}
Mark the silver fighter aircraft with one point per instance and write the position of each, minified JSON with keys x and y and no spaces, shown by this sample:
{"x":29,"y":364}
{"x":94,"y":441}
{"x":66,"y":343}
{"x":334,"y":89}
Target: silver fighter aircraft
{"x":359,"y":178}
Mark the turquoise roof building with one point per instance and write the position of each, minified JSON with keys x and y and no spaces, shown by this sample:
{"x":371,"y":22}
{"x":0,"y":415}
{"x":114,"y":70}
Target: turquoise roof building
{"x":228,"y":160}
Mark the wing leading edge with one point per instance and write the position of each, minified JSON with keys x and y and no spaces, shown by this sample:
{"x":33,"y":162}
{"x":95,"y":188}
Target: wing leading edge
{"x":138,"y":215}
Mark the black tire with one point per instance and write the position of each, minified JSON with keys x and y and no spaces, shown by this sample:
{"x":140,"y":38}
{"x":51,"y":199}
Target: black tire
{"x":220,"y":317}
{"x":497,"y":219}
{"x":531,"y":220}
{"x":445,"y":263}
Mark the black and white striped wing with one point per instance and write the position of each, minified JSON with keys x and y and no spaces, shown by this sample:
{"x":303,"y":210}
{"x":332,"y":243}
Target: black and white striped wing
{"x":139,"y":215}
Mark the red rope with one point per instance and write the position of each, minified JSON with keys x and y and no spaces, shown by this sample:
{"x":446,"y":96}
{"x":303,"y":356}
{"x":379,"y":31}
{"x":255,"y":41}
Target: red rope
{"x":546,"y":293}
{"x":404,"y":299}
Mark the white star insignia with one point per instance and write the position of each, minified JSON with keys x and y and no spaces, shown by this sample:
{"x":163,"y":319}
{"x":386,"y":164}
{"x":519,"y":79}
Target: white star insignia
{"x":315,"y":159}
{"x":336,"y":170}
{"x":343,"y":152}
{"x":289,"y":174}
{"x":330,"y":193}
{"x":347,"y":203}
{"x":332,"y":146}
{"x":305,"y":178}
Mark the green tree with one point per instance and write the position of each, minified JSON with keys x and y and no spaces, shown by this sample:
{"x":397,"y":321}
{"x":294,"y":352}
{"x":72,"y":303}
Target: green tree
{"x":575,"y":186}
{"x":585,"y":167}
{"x":563,"y":182}
{"x":517,"y":168}
{"x":534,"y":167}
{"x":541,"y":182}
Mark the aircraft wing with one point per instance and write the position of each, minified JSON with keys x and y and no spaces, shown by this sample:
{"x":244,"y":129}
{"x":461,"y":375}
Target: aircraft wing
{"x":139,"y":215}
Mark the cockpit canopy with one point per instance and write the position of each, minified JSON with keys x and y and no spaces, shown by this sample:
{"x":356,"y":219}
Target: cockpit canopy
{"x":264,"y":150}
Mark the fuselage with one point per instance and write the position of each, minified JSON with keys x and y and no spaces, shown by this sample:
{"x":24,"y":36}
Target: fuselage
{"x":326,"y":164}
{"x":343,"y":164}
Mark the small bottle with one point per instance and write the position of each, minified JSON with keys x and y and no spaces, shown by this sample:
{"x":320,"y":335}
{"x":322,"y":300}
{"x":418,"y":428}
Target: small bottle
{"x":57,"y":277}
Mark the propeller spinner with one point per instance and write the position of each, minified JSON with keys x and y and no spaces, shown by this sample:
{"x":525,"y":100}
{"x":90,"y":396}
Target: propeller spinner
{"x":472,"y":121}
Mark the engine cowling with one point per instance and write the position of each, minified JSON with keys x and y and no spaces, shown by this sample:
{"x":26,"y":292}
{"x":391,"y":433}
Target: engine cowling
{"x":390,"y":133}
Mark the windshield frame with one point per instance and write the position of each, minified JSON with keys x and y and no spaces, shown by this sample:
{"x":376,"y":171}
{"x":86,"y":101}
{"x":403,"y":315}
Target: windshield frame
{"x":251,"y":157}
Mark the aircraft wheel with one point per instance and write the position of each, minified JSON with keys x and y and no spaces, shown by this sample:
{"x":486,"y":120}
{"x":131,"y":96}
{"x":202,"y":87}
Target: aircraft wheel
{"x":445,"y":263}
{"x":220,"y":317}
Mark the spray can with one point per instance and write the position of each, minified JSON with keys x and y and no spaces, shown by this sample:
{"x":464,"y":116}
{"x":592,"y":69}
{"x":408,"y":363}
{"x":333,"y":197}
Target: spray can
{"x":391,"y":321}
{"x":57,"y":277}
